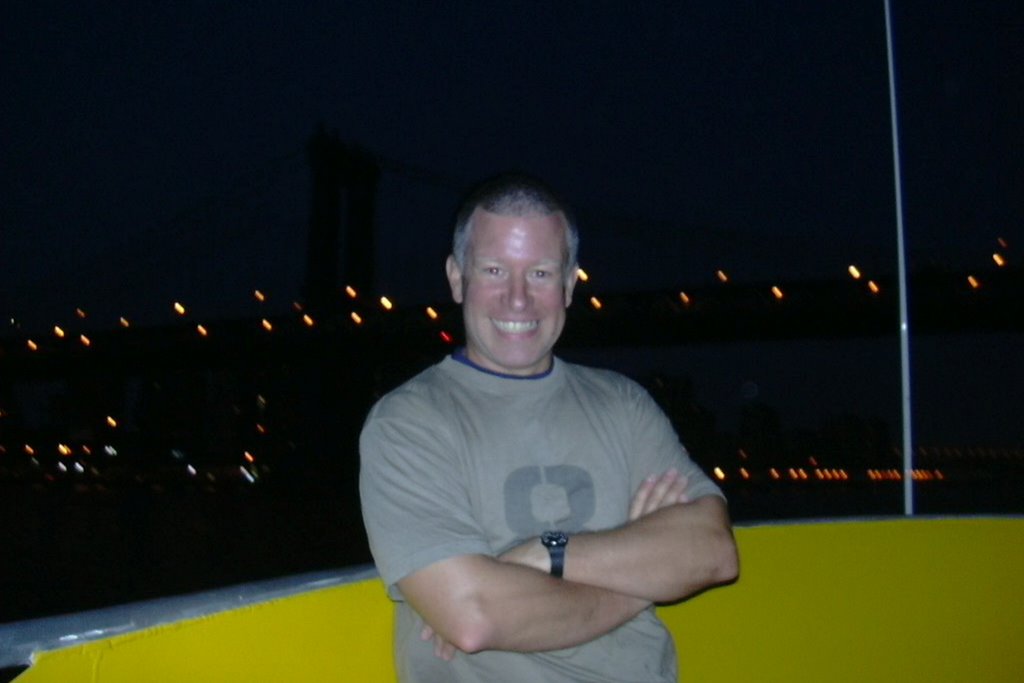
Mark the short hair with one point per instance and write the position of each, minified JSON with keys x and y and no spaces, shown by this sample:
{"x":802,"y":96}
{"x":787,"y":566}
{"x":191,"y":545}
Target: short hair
{"x":513,"y":194}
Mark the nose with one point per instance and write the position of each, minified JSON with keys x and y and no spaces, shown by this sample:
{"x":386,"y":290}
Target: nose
{"x":518,"y":293}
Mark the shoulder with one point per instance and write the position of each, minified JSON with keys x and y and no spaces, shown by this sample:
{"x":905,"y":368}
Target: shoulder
{"x":425,"y":393}
{"x":602,"y":381}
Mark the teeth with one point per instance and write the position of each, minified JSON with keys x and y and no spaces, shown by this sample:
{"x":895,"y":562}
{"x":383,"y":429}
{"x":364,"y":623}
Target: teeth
{"x":515,"y":327}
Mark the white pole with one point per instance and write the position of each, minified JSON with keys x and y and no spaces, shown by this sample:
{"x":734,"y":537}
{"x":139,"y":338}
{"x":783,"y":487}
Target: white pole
{"x":908,"y":452}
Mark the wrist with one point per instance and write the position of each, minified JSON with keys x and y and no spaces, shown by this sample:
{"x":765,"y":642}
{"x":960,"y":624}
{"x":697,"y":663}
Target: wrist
{"x":555,"y":542}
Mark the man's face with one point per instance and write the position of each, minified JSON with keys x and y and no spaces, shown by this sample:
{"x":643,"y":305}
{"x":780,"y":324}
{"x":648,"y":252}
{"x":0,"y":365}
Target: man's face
{"x":514,"y":290}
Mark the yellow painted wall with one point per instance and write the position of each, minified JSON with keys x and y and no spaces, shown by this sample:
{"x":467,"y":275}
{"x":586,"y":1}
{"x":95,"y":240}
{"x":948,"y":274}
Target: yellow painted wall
{"x":904,"y":600}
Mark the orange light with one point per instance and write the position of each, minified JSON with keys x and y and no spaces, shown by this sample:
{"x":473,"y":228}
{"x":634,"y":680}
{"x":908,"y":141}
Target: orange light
{"x":261,"y":429}
{"x":351,"y":292}
{"x":720,"y":274}
{"x":875,"y":289}
{"x":80,"y":313}
{"x":386,"y":303}
{"x":356,"y":318}
{"x":307,"y":319}
{"x":32,"y":346}
{"x":998,"y":258}
{"x":267,"y":325}
{"x":178,"y":308}
{"x":1001,"y":242}
{"x":29,"y":450}
{"x":58,"y":331}
{"x":854,"y":272}
{"x":85,"y":340}
{"x":111,"y":421}
{"x":719,"y":474}
{"x":64,"y":449}
{"x":297,"y":306}
{"x":685,"y":298}
{"x":124,"y":322}
{"x":260,"y":296}
{"x":582,"y":275}
{"x":202,"y":330}
{"x":431,"y":313}
{"x":744,"y":473}
{"x":777,"y":293}
{"x":596,"y":303}
{"x":973,"y":282}
{"x":249,"y":457}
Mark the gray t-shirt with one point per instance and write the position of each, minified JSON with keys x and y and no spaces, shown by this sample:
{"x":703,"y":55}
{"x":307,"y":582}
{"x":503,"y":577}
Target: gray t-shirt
{"x":460,"y":461}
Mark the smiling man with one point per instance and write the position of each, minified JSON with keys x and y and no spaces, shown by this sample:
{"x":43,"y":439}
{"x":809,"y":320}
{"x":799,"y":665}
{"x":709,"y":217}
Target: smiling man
{"x":527,"y":513}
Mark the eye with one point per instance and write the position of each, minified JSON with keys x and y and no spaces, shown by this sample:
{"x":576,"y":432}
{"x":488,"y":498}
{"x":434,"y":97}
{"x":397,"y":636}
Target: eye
{"x":541,"y":274}
{"x":492,"y":270}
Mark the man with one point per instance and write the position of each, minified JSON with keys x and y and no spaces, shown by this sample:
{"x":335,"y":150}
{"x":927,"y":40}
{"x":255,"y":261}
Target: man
{"x":526,"y":513}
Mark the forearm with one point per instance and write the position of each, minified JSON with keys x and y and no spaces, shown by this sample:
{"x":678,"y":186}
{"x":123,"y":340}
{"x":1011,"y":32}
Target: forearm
{"x":491,"y":605}
{"x":664,"y":556}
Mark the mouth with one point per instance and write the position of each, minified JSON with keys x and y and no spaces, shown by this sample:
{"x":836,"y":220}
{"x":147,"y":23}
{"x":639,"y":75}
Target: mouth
{"x":515,"y":326}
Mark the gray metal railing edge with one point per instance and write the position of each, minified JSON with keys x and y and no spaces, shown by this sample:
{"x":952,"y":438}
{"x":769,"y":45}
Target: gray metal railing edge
{"x":21,"y":639}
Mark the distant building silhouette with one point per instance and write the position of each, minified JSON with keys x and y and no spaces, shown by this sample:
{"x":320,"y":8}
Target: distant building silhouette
{"x":344,"y":188}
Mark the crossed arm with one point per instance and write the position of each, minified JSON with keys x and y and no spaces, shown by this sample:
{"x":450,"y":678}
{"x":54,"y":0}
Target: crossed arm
{"x":670,"y":548}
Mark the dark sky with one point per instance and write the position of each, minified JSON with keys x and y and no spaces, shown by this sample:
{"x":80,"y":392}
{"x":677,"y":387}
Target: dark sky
{"x":154,"y":152}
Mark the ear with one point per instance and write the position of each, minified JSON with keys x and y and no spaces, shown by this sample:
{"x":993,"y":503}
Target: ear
{"x":454,"y":279}
{"x":570,"y":283}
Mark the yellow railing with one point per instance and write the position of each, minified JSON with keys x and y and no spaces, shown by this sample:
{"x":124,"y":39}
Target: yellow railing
{"x":892,"y":600}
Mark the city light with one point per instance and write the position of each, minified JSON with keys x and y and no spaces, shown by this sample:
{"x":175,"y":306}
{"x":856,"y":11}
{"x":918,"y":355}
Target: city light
{"x":32,"y":346}
{"x":124,"y":322}
{"x":202,"y":330}
{"x":85,"y":340}
{"x":596,"y":303}
{"x":875,"y":289}
{"x":259,"y":296}
{"x":999,"y":260}
{"x":721,"y":275}
{"x":685,"y":298}
{"x":58,"y":331}
{"x":80,"y":313}
{"x":179,"y":308}
{"x":356,"y":318}
{"x":307,"y":320}
{"x":854,"y":272}
{"x":111,"y":421}
{"x":267,"y":325}
{"x":350,"y":291}
{"x":582,"y":275}
{"x":431,"y":313}
{"x":973,"y":282}
{"x":386,"y":303}
{"x":777,"y":293}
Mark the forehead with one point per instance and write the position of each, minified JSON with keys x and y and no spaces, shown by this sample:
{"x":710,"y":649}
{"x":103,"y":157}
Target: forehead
{"x":535,"y":235}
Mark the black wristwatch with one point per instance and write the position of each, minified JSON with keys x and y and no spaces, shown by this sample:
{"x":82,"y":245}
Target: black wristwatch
{"x":555,"y":542}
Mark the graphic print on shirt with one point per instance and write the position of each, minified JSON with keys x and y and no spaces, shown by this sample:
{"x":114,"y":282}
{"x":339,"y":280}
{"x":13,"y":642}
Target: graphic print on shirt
{"x":541,"y":498}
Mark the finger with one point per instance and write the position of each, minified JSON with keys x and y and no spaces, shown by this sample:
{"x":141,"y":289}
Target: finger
{"x":677,"y":494}
{"x":639,"y":502}
{"x":447,"y":651}
{"x":661,"y":489}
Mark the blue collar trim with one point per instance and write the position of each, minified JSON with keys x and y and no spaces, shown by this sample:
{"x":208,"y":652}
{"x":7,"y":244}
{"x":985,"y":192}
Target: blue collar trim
{"x":460,"y":355}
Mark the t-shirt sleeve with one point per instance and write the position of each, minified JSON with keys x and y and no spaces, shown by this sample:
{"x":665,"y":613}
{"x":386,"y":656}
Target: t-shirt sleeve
{"x":658,"y":446}
{"x":415,"y":507}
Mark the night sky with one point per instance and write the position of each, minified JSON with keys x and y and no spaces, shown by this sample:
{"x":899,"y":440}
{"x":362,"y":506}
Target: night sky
{"x":155,"y":152}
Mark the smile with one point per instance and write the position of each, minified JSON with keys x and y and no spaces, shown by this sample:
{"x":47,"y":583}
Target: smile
{"x":515,"y":327}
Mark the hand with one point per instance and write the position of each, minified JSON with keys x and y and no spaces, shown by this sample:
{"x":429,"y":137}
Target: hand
{"x":657,"y":492}
{"x":442,"y":648}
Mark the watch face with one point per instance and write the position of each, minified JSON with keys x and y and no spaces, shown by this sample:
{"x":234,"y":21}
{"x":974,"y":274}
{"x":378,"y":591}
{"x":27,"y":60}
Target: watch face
{"x":554,"y":539}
